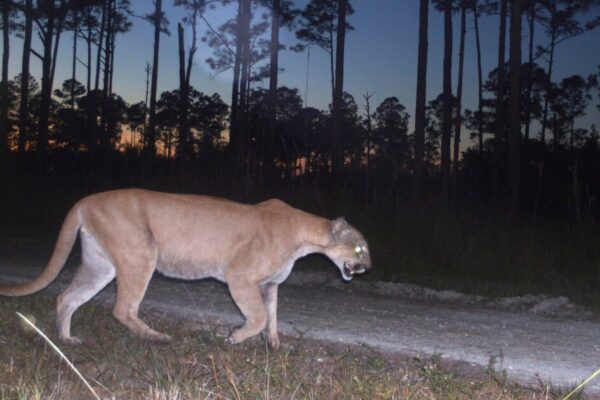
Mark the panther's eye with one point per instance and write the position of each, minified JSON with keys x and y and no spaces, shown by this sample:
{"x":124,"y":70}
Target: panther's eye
{"x":358,"y":249}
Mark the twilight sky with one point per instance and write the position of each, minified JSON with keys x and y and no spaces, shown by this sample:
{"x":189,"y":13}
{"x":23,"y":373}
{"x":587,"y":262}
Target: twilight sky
{"x":381,"y":56}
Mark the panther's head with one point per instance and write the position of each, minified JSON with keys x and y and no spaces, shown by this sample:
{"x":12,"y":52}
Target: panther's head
{"x":348,"y":249}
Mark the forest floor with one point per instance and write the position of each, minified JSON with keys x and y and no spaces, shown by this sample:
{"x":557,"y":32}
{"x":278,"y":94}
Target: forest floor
{"x":537,"y":341}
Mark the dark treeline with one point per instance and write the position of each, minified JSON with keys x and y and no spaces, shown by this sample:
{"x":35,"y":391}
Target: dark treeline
{"x":519,"y":151}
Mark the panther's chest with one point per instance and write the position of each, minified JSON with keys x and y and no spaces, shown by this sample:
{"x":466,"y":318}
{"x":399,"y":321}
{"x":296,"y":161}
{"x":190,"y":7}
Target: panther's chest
{"x":282,"y":275}
{"x":286,"y":267}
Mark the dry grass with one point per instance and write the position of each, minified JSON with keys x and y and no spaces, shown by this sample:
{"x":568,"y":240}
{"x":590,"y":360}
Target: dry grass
{"x":199,"y":365}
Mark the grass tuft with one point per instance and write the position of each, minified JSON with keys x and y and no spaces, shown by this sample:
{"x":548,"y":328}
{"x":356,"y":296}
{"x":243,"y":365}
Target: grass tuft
{"x":59,"y":352}
{"x":582,"y":384}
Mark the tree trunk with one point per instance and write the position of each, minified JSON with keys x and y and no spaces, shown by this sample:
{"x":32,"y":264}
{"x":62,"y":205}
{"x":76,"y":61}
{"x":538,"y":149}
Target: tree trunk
{"x":331,"y":66}
{"x":150,"y":148}
{"x":110,"y":23}
{"x":100,"y":43}
{"x":44,"y":111}
{"x":458,"y":121}
{"x":184,"y":77}
{"x":514,"y":130}
{"x":89,"y":51}
{"x":24,"y":103}
{"x":531,"y":21}
{"x":235,"y":90}
{"x":242,"y":127}
{"x":421,"y":98}
{"x":273,"y":74}
{"x":336,"y":142}
{"x":148,"y":69}
{"x":500,"y":125}
{"x":59,"y":30}
{"x":5,"y":57}
{"x":74,"y":61}
{"x":447,"y":110}
{"x":111,"y":72}
{"x":183,"y":92}
{"x":479,"y":79}
{"x":245,"y":123}
{"x":555,"y":139}
{"x":572,"y":129}
{"x":193,"y":48}
{"x":91,"y":111}
{"x":369,"y":132}
{"x":112,"y":122}
{"x":548,"y":86}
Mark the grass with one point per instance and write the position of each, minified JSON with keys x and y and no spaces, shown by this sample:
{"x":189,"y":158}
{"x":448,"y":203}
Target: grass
{"x":199,"y":365}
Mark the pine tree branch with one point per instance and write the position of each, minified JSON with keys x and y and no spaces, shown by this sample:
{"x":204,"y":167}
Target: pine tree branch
{"x":221,"y":38}
{"x":38,"y":55}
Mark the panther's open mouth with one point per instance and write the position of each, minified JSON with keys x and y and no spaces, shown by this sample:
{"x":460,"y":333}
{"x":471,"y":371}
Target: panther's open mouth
{"x":349,"y":270}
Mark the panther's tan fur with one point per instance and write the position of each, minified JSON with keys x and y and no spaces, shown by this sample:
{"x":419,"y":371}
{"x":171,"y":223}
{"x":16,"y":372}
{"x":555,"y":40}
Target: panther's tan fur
{"x":128,"y":234}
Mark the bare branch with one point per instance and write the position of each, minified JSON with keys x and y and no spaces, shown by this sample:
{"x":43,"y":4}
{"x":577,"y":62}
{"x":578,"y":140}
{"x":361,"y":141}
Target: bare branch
{"x":84,"y":64}
{"x":38,"y":55}
{"x":39,"y":25}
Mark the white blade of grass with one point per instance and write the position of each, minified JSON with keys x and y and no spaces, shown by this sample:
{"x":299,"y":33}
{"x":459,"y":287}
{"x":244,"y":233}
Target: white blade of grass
{"x":582,"y":384}
{"x":60,"y":353}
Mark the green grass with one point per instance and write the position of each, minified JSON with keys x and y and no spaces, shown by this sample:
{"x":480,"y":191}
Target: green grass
{"x":198,"y":365}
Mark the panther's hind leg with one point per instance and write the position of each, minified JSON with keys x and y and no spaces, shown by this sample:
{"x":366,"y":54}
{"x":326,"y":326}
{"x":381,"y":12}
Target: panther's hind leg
{"x":95,"y":272}
{"x":134,"y":270}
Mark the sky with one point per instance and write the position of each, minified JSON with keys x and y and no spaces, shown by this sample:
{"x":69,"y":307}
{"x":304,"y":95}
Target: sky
{"x":381,"y":57}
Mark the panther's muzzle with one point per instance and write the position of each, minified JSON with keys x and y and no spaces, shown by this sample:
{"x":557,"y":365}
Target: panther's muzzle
{"x":348,"y":270}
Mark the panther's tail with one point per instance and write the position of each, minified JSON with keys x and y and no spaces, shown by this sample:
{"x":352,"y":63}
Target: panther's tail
{"x":64,"y":244}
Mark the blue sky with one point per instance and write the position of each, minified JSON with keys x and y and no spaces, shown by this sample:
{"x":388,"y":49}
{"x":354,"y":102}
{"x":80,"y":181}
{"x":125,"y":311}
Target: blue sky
{"x":381,"y":56}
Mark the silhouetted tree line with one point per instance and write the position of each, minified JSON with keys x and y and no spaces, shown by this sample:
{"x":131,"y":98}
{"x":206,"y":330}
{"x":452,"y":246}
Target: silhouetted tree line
{"x":527,"y":152}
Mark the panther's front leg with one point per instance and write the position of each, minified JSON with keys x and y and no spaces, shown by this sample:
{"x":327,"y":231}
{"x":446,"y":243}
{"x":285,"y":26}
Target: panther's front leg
{"x":248,"y":297}
{"x":269,"y":292}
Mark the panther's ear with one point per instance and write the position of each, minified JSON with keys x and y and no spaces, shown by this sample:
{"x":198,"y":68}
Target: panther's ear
{"x":337,"y":226}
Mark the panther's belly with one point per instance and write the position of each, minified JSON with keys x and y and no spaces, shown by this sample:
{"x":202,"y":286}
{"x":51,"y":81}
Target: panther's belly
{"x":189,"y":270}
